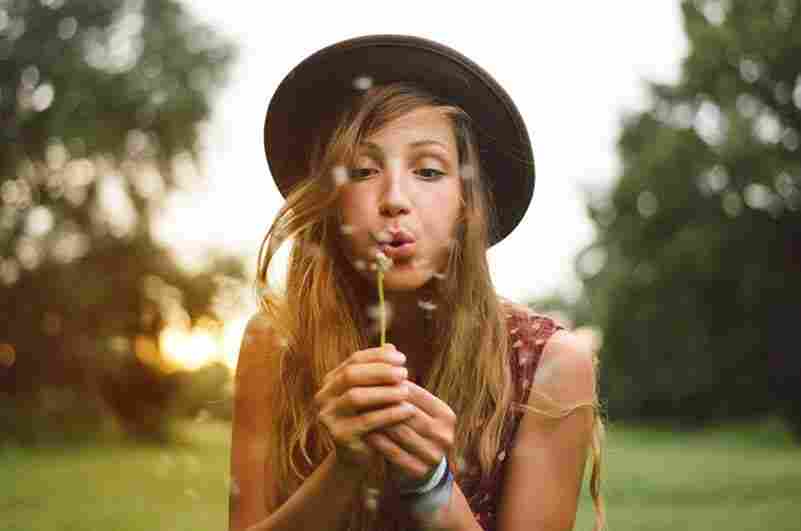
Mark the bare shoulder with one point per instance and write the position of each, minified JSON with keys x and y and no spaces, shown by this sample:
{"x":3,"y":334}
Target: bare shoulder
{"x":258,"y":348}
{"x":567,"y":368}
{"x":253,"y":492}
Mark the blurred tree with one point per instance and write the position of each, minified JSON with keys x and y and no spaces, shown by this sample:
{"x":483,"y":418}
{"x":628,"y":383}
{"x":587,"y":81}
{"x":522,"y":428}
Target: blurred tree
{"x":101,"y":104}
{"x":695,"y":276}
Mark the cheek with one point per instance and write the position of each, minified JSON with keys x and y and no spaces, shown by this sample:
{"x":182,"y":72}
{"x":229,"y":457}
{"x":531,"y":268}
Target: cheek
{"x":355,"y":222}
{"x":443,"y":210}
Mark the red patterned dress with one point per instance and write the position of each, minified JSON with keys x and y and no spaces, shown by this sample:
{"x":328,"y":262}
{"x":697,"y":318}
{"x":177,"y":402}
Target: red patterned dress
{"x":528,"y":333}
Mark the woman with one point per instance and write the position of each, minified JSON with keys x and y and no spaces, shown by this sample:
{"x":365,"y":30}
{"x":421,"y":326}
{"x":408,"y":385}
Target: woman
{"x":420,"y":163}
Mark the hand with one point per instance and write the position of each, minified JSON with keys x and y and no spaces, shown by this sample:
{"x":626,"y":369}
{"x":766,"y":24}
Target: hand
{"x":363,"y":393}
{"x":415,"y":446}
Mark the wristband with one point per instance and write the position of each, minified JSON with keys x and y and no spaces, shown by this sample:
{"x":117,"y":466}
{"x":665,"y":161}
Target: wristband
{"x":432,"y":482}
{"x":421,"y":505}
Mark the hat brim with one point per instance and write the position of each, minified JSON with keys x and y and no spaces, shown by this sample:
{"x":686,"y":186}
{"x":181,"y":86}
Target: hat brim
{"x":312,"y":94}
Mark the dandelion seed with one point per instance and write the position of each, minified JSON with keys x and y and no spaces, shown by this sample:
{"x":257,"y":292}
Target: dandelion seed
{"x":439,"y":276}
{"x":383,"y":236}
{"x":362,"y":82}
{"x":360,"y":265}
{"x":426,"y":305}
{"x":346,"y":229}
{"x":517,"y":344}
{"x":374,"y":311}
{"x":371,"y":499}
{"x":513,"y":331}
{"x":468,"y":172}
{"x":340,"y":176}
{"x":502,"y":455}
{"x":383,"y":261}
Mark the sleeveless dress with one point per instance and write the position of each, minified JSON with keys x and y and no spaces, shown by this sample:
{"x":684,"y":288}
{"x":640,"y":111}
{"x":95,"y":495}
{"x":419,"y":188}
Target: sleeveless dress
{"x":528,"y":333}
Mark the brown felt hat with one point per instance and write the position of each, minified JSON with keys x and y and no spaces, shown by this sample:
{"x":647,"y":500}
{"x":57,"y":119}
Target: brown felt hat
{"x":315,"y":91}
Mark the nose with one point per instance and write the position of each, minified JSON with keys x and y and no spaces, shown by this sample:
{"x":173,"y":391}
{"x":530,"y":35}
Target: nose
{"x":394,"y":199}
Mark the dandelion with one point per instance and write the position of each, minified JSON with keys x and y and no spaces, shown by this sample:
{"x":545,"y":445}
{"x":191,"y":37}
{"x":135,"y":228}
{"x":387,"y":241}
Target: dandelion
{"x":383,"y":264}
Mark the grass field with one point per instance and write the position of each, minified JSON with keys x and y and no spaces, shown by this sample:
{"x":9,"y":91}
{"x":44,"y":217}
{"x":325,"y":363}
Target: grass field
{"x":734,"y":478}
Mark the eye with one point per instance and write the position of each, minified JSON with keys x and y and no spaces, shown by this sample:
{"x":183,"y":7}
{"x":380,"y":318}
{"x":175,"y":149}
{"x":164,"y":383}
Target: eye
{"x":431,"y":174}
{"x":360,"y":173}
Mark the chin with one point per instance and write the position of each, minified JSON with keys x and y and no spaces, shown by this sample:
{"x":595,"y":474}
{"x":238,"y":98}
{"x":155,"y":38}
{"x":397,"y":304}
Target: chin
{"x":401,"y":279}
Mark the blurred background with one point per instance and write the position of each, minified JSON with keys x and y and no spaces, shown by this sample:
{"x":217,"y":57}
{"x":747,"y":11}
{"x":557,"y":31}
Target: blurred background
{"x":665,"y":228}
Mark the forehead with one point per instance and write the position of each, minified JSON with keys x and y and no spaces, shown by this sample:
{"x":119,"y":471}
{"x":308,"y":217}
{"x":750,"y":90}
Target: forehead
{"x":421,"y":124}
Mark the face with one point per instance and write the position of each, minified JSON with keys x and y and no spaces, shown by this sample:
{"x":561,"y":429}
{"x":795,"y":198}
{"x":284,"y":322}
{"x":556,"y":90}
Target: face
{"x":405,"y":177}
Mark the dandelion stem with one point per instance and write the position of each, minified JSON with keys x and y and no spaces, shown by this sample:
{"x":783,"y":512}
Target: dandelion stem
{"x":383,"y":263}
{"x":382,"y":310}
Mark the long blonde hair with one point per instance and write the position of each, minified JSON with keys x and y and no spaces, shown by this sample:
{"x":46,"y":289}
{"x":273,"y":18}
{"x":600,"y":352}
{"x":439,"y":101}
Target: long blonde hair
{"x":320,"y":314}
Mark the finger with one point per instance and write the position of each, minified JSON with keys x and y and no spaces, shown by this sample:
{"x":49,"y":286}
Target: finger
{"x":387,"y":354}
{"x":366,"y":375}
{"x":429,"y":403}
{"x":357,"y":400}
{"x":413,"y":443}
{"x":408,"y":464}
{"x":372,"y":420}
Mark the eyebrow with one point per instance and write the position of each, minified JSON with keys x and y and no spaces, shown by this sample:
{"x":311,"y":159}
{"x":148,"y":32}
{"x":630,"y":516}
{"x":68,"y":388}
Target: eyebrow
{"x":371,"y":146}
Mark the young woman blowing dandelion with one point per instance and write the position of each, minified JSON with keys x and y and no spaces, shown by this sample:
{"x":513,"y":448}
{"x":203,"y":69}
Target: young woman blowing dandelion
{"x":478,"y":413}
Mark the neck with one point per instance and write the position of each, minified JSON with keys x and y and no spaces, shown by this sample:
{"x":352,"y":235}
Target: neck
{"x":406,"y":326}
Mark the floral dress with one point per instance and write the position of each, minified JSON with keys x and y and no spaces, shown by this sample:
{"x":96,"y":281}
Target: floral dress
{"x":528,"y":333}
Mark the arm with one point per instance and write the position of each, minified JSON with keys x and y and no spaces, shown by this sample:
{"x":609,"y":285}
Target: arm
{"x":546,"y":466}
{"x":324,"y":498}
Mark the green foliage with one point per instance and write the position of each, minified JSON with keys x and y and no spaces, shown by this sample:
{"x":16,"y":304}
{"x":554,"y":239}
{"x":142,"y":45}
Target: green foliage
{"x":700,"y":239}
{"x":101,"y":104}
{"x":736,"y":478}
